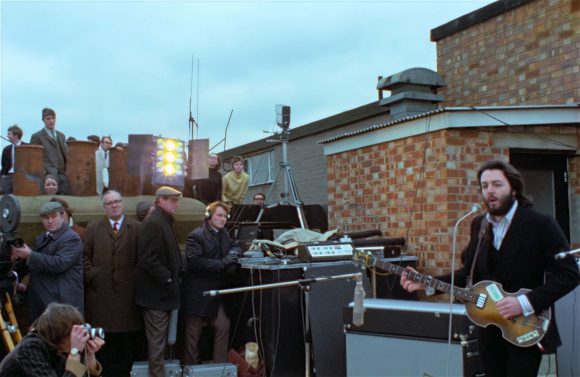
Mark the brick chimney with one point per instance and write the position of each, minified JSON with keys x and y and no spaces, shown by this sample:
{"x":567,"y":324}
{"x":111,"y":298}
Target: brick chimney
{"x":413,"y":91}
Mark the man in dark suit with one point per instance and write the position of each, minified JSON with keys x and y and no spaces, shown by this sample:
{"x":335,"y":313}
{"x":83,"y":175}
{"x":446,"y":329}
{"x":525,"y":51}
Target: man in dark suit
{"x":15,"y":137}
{"x":158,"y":269}
{"x":110,"y":259}
{"x":209,"y":190}
{"x":55,"y":149}
{"x":209,"y":254}
{"x":517,"y":249}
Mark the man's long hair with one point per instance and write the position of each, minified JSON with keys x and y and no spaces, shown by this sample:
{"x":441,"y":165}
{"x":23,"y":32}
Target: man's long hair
{"x":55,"y":323}
{"x":512,"y":175}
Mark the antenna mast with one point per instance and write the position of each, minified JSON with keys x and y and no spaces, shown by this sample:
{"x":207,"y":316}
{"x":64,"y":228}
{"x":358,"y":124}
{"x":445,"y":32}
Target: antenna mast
{"x":192,"y":123}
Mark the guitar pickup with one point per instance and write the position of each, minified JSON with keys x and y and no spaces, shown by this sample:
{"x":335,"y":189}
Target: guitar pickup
{"x":481,"y":299}
{"x":527,"y":337}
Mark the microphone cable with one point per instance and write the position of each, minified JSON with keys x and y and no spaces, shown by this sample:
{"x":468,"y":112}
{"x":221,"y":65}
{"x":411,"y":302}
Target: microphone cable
{"x":474,"y":209}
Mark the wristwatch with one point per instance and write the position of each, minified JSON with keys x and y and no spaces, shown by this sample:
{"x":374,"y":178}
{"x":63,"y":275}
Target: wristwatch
{"x":74,"y":351}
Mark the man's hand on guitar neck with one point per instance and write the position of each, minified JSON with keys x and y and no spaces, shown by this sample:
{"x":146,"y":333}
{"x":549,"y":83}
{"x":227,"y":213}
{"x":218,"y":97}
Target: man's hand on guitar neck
{"x":408,"y":284}
{"x":509,"y":307}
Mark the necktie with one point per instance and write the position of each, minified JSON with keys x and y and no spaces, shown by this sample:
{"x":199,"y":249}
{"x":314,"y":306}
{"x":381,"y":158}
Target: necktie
{"x":106,"y":153}
{"x":53,"y":134}
{"x":115,"y":227}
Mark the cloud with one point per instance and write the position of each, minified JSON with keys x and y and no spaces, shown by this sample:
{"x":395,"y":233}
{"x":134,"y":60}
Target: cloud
{"x":125,"y":67}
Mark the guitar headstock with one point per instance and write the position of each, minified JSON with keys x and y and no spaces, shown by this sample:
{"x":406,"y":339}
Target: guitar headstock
{"x":363,"y":257}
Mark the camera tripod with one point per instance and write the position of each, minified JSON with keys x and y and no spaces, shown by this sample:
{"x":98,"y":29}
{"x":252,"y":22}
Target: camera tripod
{"x":290,"y":188}
{"x":9,"y":328}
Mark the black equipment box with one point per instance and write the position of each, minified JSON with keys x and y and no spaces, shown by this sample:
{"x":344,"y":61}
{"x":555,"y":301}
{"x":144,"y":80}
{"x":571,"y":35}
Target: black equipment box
{"x":210,"y":370}
{"x":141,"y":369}
{"x":413,"y":318}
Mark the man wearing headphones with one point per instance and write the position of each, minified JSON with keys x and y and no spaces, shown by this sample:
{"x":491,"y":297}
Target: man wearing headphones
{"x":209,"y":253}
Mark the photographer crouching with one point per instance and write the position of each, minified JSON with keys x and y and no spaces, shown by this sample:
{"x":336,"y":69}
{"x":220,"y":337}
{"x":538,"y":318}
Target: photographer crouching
{"x":57,"y":345}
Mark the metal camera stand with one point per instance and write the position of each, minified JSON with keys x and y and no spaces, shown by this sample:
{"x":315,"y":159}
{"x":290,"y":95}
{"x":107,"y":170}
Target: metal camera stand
{"x":305,"y":287}
{"x":290,"y":188}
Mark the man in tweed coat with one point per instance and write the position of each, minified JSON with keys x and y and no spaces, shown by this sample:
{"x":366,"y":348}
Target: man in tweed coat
{"x":110,"y":259}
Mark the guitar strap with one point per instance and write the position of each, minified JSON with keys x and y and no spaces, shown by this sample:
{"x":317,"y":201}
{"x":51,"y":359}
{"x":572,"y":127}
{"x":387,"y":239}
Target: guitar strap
{"x":483,"y":234}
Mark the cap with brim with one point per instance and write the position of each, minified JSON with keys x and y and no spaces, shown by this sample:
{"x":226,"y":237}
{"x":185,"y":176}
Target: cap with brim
{"x":168,"y":192}
{"x":50,"y":207}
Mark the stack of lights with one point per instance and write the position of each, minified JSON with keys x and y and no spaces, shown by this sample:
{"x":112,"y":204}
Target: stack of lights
{"x":169,"y":162}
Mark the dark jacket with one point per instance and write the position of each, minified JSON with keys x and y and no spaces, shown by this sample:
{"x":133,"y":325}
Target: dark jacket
{"x":110,"y":261}
{"x":55,"y":151}
{"x":204,"y":250}
{"x":158,"y":263}
{"x":56,"y":271}
{"x":7,"y":159}
{"x":525,"y":260}
{"x":209,"y":190}
{"x":34,"y":357}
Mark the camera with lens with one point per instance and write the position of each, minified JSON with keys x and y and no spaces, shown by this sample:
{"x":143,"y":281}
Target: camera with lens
{"x":17,"y":242}
{"x":9,"y":222}
{"x":94,"y":332}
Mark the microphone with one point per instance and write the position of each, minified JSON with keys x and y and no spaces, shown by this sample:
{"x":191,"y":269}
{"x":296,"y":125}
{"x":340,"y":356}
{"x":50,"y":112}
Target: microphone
{"x":564,"y":254}
{"x":474,"y":208}
{"x":358,"y":307}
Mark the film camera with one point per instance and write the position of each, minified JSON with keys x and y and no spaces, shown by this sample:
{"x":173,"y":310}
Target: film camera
{"x":9,"y":221}
{"x":94,"y":332}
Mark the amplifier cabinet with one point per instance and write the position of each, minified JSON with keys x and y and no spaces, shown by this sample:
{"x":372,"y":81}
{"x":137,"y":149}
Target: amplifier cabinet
{"x":375,"y":355}
{"x":409,"y":338}
{"x":413,"y":319}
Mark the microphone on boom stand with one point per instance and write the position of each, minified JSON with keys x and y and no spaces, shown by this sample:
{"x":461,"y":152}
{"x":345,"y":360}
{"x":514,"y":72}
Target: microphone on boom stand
{"x":564,"y":254}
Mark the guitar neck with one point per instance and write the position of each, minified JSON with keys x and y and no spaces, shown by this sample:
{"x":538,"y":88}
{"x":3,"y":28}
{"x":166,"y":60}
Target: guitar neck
{"x":461,"y":294}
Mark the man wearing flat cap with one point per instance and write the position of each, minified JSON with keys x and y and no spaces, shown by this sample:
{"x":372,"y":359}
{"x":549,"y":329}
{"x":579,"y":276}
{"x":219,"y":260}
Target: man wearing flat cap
{"x":55,"y":263}
{"x":158,"y":268}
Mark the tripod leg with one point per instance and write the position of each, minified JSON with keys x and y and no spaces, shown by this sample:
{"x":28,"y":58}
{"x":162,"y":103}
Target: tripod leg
{"x":6,"y":337}
{"x":17,"y":336}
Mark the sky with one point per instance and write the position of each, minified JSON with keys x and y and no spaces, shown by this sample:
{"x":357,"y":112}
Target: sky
{"x":125,"y":67}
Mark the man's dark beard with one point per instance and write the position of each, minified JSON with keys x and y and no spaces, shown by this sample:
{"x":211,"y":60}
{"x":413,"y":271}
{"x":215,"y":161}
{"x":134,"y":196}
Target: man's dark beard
{"x":505,"y":204}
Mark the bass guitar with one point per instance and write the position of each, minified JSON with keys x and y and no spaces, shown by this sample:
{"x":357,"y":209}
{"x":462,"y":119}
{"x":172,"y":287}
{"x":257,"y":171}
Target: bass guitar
{"x":480,"y":303}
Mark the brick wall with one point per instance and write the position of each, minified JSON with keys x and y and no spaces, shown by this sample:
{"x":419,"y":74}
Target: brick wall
{"x":528,"y":55}
{"x":386,"y":187}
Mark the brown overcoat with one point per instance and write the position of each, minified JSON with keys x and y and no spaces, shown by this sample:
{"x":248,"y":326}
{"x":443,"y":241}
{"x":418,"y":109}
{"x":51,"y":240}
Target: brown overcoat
{"x":110,"y":262}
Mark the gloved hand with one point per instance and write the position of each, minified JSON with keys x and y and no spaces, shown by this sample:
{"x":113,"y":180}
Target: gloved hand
{"x":231,"y":258}
{"x":236,"y":250}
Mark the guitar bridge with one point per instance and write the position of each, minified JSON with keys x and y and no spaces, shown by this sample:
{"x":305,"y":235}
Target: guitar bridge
{"x":481,"y":299}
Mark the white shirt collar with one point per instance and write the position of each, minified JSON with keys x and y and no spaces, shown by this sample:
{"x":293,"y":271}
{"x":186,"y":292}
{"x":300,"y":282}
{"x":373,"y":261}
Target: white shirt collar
{"x":119,"y":222}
